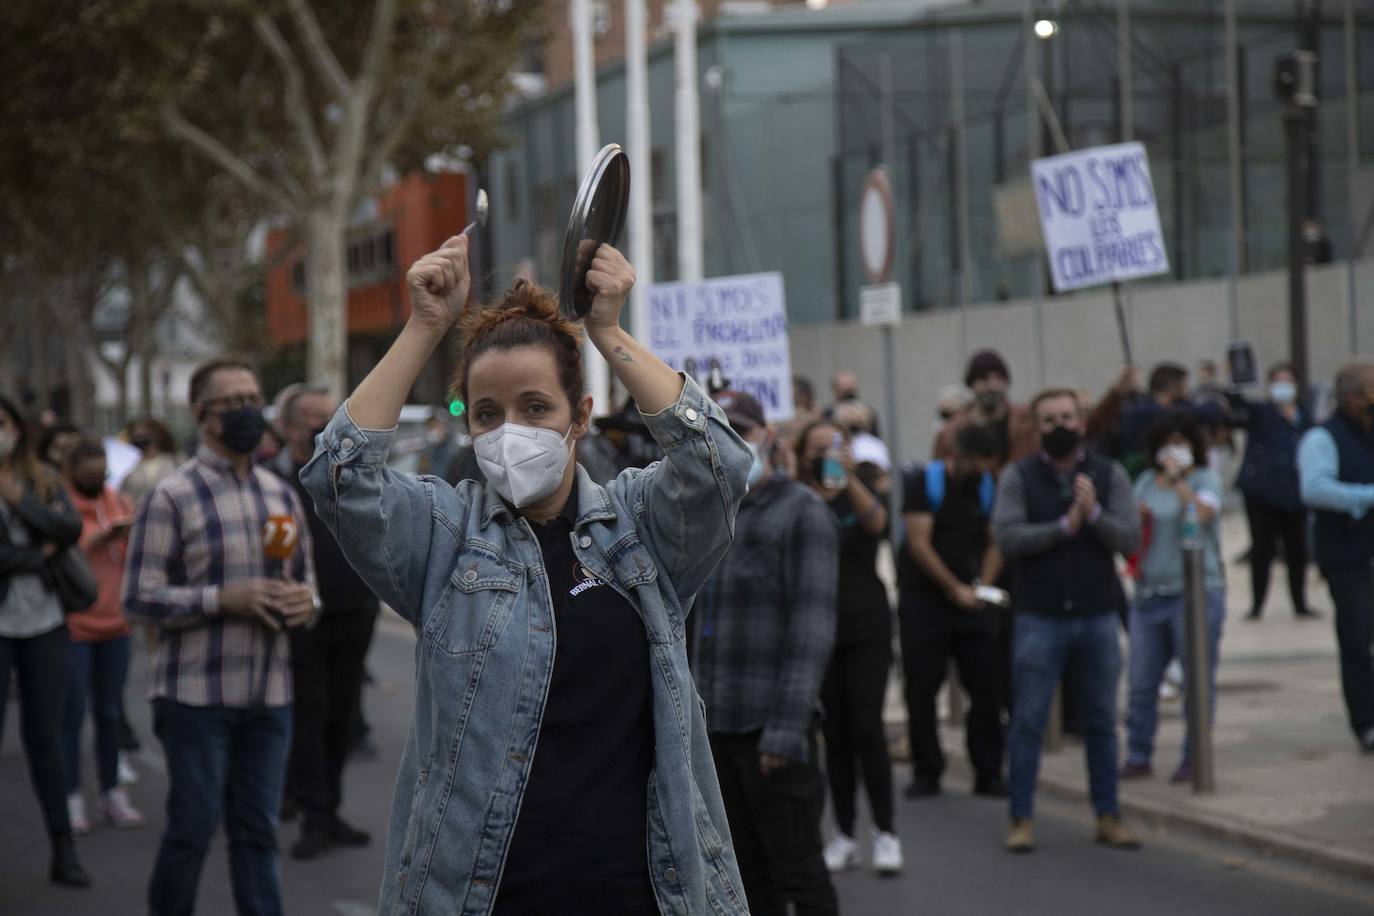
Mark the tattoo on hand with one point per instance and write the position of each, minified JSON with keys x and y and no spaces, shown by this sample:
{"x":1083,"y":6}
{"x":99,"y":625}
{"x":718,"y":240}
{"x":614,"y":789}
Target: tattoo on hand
{"x":624,"y":355}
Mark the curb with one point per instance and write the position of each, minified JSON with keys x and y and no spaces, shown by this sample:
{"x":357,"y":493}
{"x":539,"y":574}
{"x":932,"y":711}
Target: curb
{"x":1262,"y":840}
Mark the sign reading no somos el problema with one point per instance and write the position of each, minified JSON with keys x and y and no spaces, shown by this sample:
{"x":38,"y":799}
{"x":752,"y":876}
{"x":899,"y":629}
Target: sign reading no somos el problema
{"x":1099,"y":216}
{"x":740,"y":321}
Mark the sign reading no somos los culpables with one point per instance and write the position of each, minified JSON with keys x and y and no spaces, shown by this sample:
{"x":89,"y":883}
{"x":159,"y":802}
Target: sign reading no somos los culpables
{"x":1099,"y":216}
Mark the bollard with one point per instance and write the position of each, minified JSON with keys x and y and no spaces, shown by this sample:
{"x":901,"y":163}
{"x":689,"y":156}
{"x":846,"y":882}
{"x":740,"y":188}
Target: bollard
{"x":1197,"y":677}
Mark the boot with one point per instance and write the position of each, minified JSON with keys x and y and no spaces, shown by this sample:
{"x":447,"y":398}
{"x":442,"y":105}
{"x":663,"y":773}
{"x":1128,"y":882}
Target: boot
{"x":66,"y":868}
{"x":1112,"y":832}
{"x":1021,"y":837}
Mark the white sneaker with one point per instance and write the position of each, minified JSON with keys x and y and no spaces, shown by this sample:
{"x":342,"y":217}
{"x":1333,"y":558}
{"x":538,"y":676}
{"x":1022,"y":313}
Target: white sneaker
{"x":128,"y":776}
{"x":887,"y":854}
{"x":841,"y":853}
{"x":76,"y":813}
{"x":118,"y":811}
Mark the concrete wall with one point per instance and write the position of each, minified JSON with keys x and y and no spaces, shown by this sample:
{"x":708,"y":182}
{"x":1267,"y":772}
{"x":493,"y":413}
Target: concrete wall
{"x":1079,"y":343}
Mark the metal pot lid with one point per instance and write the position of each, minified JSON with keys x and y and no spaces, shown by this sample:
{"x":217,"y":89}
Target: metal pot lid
{"x":598,"y":217}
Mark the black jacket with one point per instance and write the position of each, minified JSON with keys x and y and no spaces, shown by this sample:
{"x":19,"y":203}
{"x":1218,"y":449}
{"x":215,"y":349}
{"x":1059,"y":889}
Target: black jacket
{"x":55,"y":521}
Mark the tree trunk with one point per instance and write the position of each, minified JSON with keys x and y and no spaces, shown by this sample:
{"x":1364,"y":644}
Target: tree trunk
{"x":326,"y":298}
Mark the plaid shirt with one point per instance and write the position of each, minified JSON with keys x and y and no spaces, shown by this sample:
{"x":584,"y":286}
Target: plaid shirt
{"x":765,"y":621}
{"x":200,"y":529}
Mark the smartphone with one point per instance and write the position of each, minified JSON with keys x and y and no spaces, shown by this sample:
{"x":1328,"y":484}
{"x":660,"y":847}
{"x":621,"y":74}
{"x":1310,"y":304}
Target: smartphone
{"x":992,"y":595}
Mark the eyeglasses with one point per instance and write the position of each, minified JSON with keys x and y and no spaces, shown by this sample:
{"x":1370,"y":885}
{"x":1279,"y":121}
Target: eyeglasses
{"x":233,"y":402}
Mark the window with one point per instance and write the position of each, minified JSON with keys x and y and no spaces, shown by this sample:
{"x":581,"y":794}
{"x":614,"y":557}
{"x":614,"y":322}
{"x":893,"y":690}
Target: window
{"x":298,"y":277}
{"x":371,"y":256}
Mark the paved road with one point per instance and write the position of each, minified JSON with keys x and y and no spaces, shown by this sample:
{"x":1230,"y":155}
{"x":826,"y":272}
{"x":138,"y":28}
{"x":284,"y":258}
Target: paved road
{"x":955,"y":863}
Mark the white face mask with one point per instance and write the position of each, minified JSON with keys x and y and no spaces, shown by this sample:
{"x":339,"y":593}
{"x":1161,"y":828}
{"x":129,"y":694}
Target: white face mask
{"x":7,"y":443}
{"x":524,"y":463}
{"x":1283,"y":392}
{"x":1180,"y":455}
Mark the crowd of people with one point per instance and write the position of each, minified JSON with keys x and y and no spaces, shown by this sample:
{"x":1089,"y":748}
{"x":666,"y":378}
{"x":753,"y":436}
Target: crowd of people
{"x":570,"y":712}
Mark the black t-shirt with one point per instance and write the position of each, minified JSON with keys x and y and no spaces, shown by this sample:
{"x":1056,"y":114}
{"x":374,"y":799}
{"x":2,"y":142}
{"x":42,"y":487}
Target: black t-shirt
{"x":959,"y":535}
{"x":863,"y":612}
{"x":581,"y":842}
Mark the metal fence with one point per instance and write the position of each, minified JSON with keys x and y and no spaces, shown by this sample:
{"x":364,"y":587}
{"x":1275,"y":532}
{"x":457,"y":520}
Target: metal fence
{"x":964,"y":125}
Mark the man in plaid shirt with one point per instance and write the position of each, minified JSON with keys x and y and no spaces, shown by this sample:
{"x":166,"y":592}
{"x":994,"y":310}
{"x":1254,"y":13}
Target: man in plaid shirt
{"x":764,"y":628}
{"x":219,"y":561}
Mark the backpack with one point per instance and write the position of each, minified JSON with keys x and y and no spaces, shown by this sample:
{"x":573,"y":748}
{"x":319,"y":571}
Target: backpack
{"x":935,"y":488}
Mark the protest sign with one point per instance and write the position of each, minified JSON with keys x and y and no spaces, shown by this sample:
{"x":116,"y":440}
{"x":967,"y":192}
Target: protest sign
{"x":1099,"y":216}
{"x":740,"y":321}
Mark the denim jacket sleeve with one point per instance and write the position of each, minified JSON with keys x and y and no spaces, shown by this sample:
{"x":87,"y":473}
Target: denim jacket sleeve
{"x":382,"y":519}
{"x":685,"y":505}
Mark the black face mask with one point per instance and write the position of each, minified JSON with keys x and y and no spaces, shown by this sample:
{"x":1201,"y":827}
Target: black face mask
{"x":241,"y":429}
{"x":89,"y":488}
{"x":991,"y":399}
{"x":141,"y":443}
{"x":1061,"y":442}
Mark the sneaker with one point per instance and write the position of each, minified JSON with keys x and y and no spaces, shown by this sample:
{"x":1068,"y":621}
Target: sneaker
{"x":314,"y":842}
{"x":1021,"y":836}
{"x":128,"y":776}
{"x":990,"y":788}
{"x":1136,"y":770}
{"x":1112,"y":832}
{"x":76,"y":814}
{"x":887,"y":854}
{"x":341,"y":833}
{"x":118,"y":811}
{"x":1183,"y":774}
{"x":841,"y":854}
{"x":66,"y":868}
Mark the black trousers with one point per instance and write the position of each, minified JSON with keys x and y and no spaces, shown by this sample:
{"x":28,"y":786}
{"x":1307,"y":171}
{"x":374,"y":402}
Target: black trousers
{"x":775,"y":822}
{"x":933,"y":632}
{"x":1267,"y":527}
{"x":852,"y":695}
{"x":1353,"y":594}
{"x":327,"y":673}
{"x":44,"y":667}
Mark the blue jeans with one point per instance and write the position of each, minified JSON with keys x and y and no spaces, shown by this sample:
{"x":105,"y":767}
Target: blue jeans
{"x":1158,"y":628}
{"x":1045,"y":650}
{"x":98,"y":672}
{"x":229,"y":760}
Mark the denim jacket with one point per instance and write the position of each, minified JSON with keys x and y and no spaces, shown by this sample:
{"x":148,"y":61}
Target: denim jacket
{"x":469,"y":575}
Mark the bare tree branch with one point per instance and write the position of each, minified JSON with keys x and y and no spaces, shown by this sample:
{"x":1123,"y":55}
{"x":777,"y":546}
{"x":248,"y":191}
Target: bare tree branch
{"x":179,"y":127}
{"x":323,"y":59}
{"x":378,"y":40}
{"x":297,"y":106}
{"x":400,"y":128}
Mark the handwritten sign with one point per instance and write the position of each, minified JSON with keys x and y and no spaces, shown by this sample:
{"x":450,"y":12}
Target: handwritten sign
{"x":740,"y":321}
{"x":1099,"y":216}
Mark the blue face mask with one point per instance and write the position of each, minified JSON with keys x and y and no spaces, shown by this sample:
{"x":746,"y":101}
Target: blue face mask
{"x":755,"y":469}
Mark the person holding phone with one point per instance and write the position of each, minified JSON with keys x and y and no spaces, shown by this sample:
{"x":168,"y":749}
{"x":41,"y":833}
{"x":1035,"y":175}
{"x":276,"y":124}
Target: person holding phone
{"x":220,"y":564}
{"x":856,"y":680}
{"x":558,"y":758}
{"x":100,"y":640}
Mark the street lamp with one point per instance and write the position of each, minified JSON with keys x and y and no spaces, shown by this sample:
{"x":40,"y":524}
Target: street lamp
{"x":1045,"y":28}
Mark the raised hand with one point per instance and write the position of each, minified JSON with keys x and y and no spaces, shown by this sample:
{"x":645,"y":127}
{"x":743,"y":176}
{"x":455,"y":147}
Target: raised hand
{"x":439,"y":284}
{"x":610,"y":279}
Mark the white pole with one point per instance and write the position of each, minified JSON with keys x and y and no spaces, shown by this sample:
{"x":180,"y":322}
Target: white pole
{"x":641,"y":178}
{"x":588,"y":140}
{"x":1234,"y":167}
{"x":584,"y":85}
{"x":1352,"y":141}
{"x":687,"y":127}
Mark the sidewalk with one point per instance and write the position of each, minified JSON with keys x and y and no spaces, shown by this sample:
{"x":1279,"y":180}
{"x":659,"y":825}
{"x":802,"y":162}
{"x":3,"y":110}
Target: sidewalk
{"x":1291,"y":780}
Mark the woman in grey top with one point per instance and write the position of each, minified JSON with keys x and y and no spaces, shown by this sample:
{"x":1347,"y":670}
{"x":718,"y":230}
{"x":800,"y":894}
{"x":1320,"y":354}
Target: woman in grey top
{"x":1178,"y":485}
{"x":36,"y":522}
